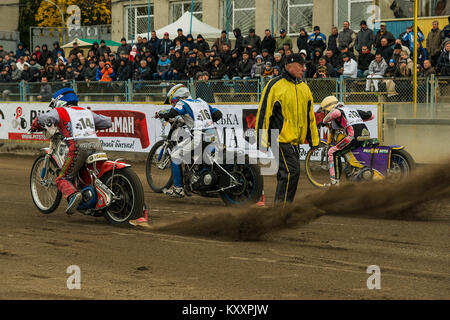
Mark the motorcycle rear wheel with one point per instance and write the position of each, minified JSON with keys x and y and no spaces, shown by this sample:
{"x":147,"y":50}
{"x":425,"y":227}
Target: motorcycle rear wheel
{"x":45,"y":194}
{"x":127,"y":186}
{"x":251,"y":190}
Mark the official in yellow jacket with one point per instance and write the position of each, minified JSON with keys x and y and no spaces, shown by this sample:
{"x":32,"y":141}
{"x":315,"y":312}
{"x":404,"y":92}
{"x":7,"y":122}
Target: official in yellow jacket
{"x":286,"y":108}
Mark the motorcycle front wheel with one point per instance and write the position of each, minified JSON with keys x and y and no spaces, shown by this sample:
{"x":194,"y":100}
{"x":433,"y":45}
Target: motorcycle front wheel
{"x":400,"y":166}
{"x":44,"y":192}
{"x":158,"y":168}
{"x":129,"y":202}
{"x":316,"y":163}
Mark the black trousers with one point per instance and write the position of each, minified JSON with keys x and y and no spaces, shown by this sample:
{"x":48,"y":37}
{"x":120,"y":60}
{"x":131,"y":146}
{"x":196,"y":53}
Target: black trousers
{"x":288,"y":173}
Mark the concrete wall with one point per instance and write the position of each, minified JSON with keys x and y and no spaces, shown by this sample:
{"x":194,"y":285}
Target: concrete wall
{"x":323,"y":15}
{"x":10,"y":15}
{"x":424,"y":131}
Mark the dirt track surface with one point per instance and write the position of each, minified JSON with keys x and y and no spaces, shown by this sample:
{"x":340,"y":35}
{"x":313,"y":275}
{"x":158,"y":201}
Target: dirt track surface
{"x":326,"y":258}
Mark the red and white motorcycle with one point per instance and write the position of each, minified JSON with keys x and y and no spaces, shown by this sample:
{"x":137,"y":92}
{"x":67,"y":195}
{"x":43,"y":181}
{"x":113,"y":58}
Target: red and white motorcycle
{"x":109,"y":188}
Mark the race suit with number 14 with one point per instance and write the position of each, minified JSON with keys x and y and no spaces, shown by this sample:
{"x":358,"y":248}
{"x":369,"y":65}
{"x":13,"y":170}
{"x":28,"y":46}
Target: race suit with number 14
{"x":78,"y":126}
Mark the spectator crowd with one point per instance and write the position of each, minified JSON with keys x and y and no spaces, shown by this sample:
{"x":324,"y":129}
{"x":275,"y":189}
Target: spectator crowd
{"x":346,"y":53}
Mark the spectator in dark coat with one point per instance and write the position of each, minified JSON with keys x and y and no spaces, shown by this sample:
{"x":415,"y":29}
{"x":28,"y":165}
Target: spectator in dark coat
{"x":434,"y":43}
{"x":143,"y":73}
{"x":139,"y":44}
{"x":201,"y":44}
{"x":245,"y":66}
{"x":267,"y":57}
{"x":218,"y":69}
{"x":50,"y":72}
{"x":56,"y":49}
{"x":125,"y":70}
{"x":302,"y":42}
{"x":443,"y":63}
{"x":45,"y":92}
{"x":364,"y":60}
{"x":332,"y":41}
{"x":75,"y":49}
{"x":70,"y":73}
{"x":189,"y":42}
{"x":180,"y":36}
{"x":268,"y":42}
{"x":192,"y":68}
{"x":4,"y":76}
{"x":203,"y":87}
{"x":364,"y":37}
{"x":124,"y":48}
{"x":27,"y":76}
{"x":91,"y":71}
{"x":225,"y":56}
{"x":252,"y":41}
{"x":239,"y":45}
{"x":45,"y":54}
{"x":332,"y":59}
{"x":21,"y":51}
{"x":383,"y":33}
{"x":278,"y":60}
{"x":232,"y":67}
{"x":177,"y":66}
{"x":154,"y":42}
{"x":385,"y":50}
{"x":317,"y":40}
{"x":445,"y":33}
{"x":79,"y":73}
{"x":164,"y":45}
{"x":103,"y":49}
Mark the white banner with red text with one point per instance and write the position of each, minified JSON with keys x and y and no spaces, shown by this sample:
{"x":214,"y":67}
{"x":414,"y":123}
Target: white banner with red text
{"x":135,"y":129}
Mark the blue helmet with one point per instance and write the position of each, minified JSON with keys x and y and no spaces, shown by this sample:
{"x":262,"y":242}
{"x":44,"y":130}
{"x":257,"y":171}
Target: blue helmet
{"x":63,"y":97}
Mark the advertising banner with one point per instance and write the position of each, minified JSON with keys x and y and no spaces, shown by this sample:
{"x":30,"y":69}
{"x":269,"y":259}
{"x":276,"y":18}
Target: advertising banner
{"x":134,"y":128}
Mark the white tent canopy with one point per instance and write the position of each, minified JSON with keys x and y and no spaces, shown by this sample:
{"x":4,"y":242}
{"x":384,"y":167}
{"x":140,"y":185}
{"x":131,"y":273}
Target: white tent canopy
{"x":184,"y":22}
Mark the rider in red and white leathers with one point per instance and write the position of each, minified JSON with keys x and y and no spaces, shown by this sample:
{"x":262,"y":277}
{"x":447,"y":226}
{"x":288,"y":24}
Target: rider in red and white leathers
{"x":349,"y":120}
{"x":78,"y":126}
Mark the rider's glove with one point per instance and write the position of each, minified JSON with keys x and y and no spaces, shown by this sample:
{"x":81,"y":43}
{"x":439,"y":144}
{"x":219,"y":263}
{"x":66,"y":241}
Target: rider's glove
{"x":163,"y":114}
{"x":35,"y":126}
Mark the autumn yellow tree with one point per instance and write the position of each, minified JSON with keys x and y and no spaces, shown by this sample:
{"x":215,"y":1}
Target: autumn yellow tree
{"x":93,"y":12}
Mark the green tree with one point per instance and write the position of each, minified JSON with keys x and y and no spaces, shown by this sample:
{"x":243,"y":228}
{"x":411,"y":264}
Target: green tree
{"x":27,"y":11}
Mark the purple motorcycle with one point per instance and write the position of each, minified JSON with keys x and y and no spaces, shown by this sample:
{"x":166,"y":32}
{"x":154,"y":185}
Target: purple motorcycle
{"x":371,"y":161}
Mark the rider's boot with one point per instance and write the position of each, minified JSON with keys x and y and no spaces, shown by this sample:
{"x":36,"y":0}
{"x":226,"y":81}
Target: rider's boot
{"x":74,"y":202}
{"x":334,"y":182}
{"x":176,"y":192}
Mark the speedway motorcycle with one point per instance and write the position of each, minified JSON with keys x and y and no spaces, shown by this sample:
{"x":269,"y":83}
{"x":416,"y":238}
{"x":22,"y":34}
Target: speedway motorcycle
{"x":236,"y":183}
{"x":370,"y":161}
{"x":109,"y":188}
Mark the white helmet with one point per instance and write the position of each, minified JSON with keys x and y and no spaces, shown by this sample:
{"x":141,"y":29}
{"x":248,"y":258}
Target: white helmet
{"x":328,"y":104}
{"x":176,"y":93}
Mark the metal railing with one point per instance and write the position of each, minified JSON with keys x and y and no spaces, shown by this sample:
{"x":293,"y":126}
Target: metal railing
{"x":431,"y":90}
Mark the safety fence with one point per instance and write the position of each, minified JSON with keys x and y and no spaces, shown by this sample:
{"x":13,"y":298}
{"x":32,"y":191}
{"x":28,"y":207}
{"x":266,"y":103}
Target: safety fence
{"x":430,"y":90}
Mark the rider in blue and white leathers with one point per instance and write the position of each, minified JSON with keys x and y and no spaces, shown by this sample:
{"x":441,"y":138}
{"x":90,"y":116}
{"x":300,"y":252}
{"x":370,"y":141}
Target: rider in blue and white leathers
{"x":199,"y":117}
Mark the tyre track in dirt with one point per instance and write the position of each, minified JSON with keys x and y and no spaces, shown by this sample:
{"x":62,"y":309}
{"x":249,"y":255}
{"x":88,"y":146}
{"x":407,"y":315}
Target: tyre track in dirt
{"x":324,"y":259}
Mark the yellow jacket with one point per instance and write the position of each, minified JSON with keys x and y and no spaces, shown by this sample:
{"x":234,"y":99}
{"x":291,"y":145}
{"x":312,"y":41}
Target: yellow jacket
{"x":287,"y":105}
